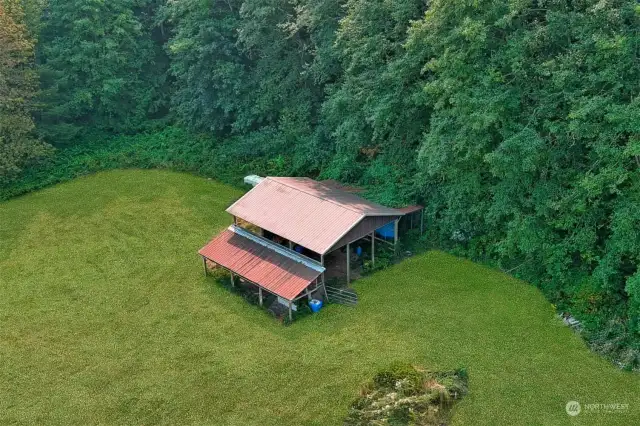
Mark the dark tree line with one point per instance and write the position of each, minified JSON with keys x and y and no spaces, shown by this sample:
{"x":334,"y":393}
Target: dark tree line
{"x":516,"y":123}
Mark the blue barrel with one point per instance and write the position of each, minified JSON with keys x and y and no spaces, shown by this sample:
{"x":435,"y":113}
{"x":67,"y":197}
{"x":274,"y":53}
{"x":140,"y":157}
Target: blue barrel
{"x":315,"y":305}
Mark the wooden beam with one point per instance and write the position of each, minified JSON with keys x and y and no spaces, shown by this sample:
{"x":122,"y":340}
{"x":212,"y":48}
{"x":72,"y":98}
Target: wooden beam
{"x":290,"y":311}
{"x":233,"y":284}
{"x":204,"y":262}
{"x":421,"y":221}
{"x":348,"y":263}
{"x":260,"y":295}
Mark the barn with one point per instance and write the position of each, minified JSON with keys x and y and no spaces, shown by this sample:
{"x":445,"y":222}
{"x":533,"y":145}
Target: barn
{"x":287,"y":229}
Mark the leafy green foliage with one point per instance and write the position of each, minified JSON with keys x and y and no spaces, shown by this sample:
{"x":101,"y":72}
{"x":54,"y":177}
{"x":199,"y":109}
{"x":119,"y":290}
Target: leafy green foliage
{"x":100,"y":67}
{"x":251,"y":69}
{"x":18,"y":88}
{"x":406,"y":395}
{"x":374,"y":112}
{"x":530,"y":153}
{"x":207,"y":65}
{"x":633,"y":290}
{"x":173,"y":148}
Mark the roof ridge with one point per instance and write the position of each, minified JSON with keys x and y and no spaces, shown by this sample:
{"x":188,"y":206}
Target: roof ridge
{"x":324,"y":199}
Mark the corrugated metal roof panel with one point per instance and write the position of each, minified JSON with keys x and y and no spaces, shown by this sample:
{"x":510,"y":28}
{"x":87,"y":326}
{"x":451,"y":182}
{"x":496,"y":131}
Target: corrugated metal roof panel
{"x":411,"y":209}
{"x":279,"y":274}
{"x":334,"y":183}
{"x":336,"y":195}
{"x":309,"y":213}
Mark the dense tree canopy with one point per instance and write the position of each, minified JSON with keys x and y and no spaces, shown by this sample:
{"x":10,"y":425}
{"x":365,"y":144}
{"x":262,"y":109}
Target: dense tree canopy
{"x":516,"y":123}
{"x":255,"y":69}
{"x":532,"y":149}
{"x":100,"y":67}
{"x":375,"y":112}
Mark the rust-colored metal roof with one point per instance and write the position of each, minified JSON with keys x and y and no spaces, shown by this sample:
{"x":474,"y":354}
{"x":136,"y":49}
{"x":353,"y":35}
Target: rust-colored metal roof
{"x":274,"y":268}
{"x":334,"y":183}
{"x":335,"y":195}
{"x":411,"y":209}
{"x":309,"y":213}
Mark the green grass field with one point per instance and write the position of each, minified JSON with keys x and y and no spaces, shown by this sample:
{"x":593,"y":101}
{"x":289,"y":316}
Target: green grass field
{"x":106,"y":317}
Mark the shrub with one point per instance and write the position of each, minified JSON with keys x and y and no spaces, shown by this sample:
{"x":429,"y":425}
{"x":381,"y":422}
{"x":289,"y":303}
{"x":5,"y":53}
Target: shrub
{"x":172,"y":148}
{"x":404,"y":394}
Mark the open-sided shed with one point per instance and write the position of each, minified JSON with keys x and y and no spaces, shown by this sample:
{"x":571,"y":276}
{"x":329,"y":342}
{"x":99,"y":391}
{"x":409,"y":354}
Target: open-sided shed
{"x":297,"y":222}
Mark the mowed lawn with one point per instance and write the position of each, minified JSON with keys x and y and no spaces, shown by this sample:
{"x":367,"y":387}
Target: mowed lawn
{"x":106,"y":317}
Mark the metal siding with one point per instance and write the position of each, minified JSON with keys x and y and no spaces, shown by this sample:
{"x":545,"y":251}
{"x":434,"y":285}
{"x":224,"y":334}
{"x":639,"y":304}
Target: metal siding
{"x":271,"y":270}
{"x":309,"y":213}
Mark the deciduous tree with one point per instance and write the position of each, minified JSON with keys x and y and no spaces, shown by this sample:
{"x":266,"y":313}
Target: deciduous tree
{"x":18,"y":88}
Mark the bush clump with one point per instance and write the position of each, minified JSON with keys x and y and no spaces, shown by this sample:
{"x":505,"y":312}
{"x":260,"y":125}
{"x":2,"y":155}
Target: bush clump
{"x":407,"y":395}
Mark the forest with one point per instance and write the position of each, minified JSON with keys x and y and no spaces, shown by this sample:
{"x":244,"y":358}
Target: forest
{"x":515,"y":122}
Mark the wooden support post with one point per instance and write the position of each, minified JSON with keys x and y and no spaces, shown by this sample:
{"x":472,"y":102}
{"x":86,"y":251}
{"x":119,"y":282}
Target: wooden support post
{"x":348,"y":263}
{"x":290,"y":311}
{"x":411,"y":221}
{"x":233,"y":284}
{"x":290,"y":245}
{"x":395,"y":236}
{"x":204,"y":262}
{"x":260,"y":295}
{"x":235,"y":220}
{"x":421,"y":221}
{"x":373,"y":248}
{"x":324,"y":287}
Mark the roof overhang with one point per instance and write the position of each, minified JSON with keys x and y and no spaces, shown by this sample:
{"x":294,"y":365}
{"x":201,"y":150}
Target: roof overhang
{"x":271,"y":266}
{"x":311,"y":214}
{"x":411,"y":209}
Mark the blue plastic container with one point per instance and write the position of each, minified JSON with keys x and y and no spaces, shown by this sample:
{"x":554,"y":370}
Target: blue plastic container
{"x":315,"y":305}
